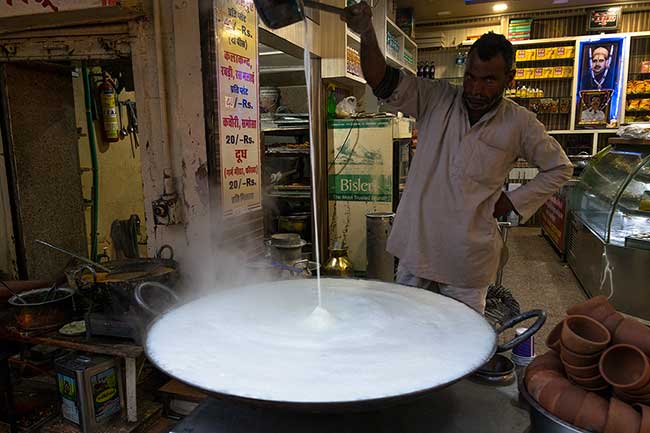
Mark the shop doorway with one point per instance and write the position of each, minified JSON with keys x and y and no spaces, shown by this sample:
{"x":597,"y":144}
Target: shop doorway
{"x":69,"y":182}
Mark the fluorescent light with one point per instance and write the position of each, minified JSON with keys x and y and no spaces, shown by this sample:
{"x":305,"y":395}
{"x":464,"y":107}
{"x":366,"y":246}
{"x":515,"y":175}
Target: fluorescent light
{"x":444,"y":13}
{"x":500,"y":7}
{"x":615,"y":9}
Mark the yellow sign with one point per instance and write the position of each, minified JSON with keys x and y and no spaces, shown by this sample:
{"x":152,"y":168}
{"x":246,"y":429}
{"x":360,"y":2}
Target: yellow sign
{"x":238,"y":89}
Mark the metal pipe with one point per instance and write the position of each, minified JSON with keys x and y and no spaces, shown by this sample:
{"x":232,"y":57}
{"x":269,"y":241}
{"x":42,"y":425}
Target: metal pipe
{"x":94,"y":192}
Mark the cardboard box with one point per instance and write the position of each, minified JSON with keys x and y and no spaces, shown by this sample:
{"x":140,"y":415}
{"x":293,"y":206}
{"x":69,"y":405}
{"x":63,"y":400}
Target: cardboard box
{"x":521,"y":56}
{"x":565,"y":52}
{"x":558,"y":72}
{"x":568,"y":71}
{"x":538,"y":73}
{"x":520,"y":74}
{"x":548,"y":72}
{"x":542,"y":54}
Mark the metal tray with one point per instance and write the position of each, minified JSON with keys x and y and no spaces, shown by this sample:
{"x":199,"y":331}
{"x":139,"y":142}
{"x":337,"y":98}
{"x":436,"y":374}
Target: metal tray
{"x":542,"y":421}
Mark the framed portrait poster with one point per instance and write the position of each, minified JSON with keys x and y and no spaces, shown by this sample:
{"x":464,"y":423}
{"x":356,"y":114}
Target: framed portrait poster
{"x":594,"y":107}
{"x":600,"y":71}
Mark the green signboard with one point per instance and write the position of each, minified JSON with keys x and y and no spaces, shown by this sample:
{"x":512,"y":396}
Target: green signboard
{"x":360,"y":187}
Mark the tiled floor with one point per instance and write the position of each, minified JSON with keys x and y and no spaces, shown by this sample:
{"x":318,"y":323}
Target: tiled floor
{"x":539,"y":279}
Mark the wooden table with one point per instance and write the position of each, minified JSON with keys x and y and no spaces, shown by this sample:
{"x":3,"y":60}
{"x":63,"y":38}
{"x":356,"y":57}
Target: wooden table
{"x":101,"y":346}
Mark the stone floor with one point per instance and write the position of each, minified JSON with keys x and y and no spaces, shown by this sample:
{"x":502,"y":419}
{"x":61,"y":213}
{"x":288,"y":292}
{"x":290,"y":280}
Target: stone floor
{"x":538,"y":278}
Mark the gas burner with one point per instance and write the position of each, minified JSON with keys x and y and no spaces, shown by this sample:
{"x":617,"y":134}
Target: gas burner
{"x":463,"y":407}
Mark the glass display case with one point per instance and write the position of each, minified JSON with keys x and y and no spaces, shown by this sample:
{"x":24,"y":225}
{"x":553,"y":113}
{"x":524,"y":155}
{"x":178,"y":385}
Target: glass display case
{"x":611,"y":192}
{"x":609,"y":234}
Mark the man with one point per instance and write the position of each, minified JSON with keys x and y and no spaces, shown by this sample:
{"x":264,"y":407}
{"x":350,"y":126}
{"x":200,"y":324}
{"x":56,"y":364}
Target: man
{"x":444,"y":233}
{"x":593,"y":113}
{"x":598,"y":76}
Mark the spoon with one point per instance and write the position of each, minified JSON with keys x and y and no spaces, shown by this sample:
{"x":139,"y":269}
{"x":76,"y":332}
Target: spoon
{"x":16,"y":295}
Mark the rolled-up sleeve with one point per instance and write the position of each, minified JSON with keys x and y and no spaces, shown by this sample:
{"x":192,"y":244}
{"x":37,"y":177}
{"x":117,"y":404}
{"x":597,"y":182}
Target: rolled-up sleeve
{"x":414,"y":96}
{"x":555,"y":169}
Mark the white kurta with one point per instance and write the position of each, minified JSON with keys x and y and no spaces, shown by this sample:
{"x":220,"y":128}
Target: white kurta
{"x":444,"y":230}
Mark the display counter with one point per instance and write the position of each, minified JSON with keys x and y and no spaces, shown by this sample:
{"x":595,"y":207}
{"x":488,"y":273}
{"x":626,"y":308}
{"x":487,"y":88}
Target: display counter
{"x":608,"y":244}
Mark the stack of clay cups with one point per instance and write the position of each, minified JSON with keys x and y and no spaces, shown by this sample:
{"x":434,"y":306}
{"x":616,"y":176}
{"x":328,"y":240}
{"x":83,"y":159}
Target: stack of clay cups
{"x":582,"y":342}
{"x":627,"y":369}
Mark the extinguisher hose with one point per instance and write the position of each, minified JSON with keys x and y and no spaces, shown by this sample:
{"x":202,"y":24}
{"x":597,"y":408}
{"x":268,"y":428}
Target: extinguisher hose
{"x":94,"y":193}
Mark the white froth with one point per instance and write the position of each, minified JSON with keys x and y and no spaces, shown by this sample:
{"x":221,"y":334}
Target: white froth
{"x":368,"y":340}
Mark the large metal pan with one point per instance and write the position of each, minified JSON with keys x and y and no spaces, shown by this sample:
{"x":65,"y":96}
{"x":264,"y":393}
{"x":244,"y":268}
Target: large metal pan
{"x":381,"y":343}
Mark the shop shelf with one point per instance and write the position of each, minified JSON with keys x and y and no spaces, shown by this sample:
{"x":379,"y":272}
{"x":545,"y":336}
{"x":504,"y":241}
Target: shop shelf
{"x":545,"y":79}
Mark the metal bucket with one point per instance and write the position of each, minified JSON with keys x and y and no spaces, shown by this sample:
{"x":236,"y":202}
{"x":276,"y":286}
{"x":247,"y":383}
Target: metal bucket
{"x":381,"y":264}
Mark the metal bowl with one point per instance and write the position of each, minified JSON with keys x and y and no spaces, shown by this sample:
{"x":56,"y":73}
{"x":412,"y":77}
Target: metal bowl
{"x":36,"y":313}
{"x":543,"y":421}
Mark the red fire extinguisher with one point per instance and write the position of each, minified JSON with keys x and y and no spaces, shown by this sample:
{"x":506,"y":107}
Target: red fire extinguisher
{"x":111,"y":130}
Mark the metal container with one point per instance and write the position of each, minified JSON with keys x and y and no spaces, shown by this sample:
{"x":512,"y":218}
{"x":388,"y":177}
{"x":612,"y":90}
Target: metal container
{"x":39,"y":313}
{"x":381,"y":264}
{"x":338,"y":264}
{"x":90,"y":388}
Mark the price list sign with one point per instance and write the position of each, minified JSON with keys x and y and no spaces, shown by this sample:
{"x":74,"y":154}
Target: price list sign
{"x":238,"y":89}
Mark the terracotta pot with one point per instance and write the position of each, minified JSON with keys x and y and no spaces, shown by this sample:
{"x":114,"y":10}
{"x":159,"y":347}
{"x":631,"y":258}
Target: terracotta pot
{"x":595,"y":382}
{"x":645,"y":417}
{"x":592,"y":415}
{"x":612,"y":321}
{"x":547,"y":361}
{"x":622,"y":418}
{"x":632,"y":398}
{"x":584,"y":335}
{"x":577,"y":360}
{"x":569,"y":402}
{"x":551,"y":392}
{"x":635,"y":333}
{"x":582,"y":372}
{"x":539,"y":380}
{"x":553,"y":339}
{"x":625,"y":367}
{"x":643,"y":391}
{"x":587,"y":307}
{"x":625,"y":397}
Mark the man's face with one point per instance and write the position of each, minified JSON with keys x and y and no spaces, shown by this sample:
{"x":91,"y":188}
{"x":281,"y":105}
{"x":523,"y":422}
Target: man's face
{"x":598,"y":63}
{"x":595,"y":103}
{"x":485,"y":81}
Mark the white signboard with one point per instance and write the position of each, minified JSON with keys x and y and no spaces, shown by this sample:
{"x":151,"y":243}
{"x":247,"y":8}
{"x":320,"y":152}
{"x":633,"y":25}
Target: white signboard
{"x":10,"y":8}
{"x":239,"y":133}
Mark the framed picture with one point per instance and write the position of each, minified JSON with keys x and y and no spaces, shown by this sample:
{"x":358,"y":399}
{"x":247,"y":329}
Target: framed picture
{"x":599,"y":65}
{"x":594,"y":107}
{"x":600,"y":70}
{"x":604,"y":20}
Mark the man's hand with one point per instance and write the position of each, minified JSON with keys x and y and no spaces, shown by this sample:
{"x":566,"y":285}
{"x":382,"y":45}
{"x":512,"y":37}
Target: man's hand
{"x":358,"y":17}
{"x":503,"y":206}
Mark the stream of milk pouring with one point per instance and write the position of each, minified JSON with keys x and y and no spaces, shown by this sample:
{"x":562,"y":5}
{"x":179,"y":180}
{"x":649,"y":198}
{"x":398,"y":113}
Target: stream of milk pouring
{"x":312,"y":155}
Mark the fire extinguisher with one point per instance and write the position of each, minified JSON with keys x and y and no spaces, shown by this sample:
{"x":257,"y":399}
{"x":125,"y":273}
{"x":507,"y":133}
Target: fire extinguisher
{"x":111,"y":130}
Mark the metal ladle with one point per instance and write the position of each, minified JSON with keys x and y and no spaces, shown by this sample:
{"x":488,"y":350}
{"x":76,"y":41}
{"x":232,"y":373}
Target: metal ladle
{"x":123,"y":131}
{"x":76,"y":256}
{"x":16,"y":295}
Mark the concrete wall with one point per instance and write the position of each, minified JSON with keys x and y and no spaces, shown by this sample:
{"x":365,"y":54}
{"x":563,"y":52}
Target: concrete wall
{"x":7,"y":247}
{"x":120,"y":175}
{"x":167,"y":71}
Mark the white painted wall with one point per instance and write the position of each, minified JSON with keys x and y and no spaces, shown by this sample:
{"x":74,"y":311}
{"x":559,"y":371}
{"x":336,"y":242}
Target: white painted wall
{"x":166,"y":55}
